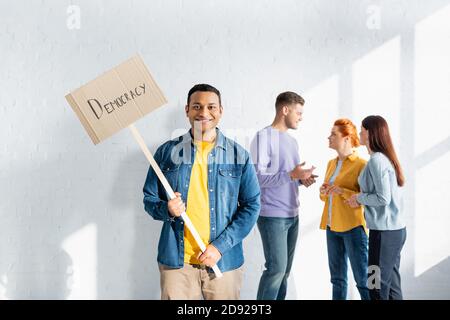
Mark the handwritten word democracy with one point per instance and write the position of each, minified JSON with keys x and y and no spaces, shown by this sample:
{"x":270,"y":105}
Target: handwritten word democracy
{"x":97,"y":108}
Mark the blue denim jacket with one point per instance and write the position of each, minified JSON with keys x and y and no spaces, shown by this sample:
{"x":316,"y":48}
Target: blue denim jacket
{"x":381,"y":195}
{"x":234,"y":198}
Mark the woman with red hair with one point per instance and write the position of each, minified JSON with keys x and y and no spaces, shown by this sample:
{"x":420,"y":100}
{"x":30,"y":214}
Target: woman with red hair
{"x":381,"y":183}
{"x":345,"y":226}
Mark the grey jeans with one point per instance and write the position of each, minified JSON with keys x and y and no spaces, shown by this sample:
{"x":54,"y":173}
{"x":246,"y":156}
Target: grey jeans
{"x":384,"y":251}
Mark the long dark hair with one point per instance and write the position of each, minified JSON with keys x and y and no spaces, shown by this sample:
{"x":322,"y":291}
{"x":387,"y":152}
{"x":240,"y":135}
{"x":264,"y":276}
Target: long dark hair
{"x":380,"y":141}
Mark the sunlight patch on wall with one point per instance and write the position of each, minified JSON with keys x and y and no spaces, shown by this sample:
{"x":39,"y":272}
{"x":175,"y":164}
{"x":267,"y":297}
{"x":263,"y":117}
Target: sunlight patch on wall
{"x":82,"y":247}
{"x":432,"y":97}
{"x":376,"y":86}
{"x":432,"y":80}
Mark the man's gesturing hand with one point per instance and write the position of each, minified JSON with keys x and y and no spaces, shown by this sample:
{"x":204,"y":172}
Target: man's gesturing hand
{"x":301,"y":174}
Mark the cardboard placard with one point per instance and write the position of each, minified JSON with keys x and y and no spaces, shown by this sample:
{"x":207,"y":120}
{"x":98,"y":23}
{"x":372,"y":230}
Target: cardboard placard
{"x":116,"y":99}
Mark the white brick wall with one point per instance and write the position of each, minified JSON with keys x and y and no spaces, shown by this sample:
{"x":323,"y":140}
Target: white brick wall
{"x":72,"y":224}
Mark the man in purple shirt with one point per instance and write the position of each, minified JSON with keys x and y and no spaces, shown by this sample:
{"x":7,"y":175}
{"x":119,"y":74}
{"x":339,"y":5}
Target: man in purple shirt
{"x":277,"y":162}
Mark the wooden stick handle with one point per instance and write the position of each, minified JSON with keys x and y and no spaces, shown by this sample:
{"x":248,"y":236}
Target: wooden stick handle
{"x":170,"y":192}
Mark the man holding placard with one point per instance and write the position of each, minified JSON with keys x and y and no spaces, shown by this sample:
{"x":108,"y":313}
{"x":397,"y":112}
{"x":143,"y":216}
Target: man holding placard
{"x":216,"y":179}
{"x":213,"y":173}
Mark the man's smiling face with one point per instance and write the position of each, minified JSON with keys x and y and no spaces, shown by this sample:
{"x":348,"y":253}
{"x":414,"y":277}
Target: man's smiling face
{"x":204,"y":111}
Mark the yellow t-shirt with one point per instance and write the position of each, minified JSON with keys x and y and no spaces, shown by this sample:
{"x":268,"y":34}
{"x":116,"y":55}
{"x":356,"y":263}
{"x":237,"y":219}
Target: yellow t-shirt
{"x":198,"y":203}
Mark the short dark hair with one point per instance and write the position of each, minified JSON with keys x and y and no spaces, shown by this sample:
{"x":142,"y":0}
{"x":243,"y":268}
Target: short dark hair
{"x":203,"y":87}
{"x":288,"y":97}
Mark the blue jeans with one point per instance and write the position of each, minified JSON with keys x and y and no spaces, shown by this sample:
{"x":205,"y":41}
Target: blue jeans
{"x":279,"y":237}
{"x":352,"y":245}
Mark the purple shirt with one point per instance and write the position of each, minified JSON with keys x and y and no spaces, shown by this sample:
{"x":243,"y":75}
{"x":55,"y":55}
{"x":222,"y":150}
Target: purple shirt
{"x":275,"y":154}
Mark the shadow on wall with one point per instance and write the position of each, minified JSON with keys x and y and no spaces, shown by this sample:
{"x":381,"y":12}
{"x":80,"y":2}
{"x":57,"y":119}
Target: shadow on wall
{"x":36,"y":277}
{"x":143,"y":273}
{"x":33,"y":263}
{"x":50,"y":201}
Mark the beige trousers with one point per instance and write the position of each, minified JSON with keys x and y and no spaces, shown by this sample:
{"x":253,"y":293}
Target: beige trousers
{"x":193,"y":282}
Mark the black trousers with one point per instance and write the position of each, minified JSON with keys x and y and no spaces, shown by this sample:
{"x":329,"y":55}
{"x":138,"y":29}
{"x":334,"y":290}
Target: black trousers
{"x":384,"y":263}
